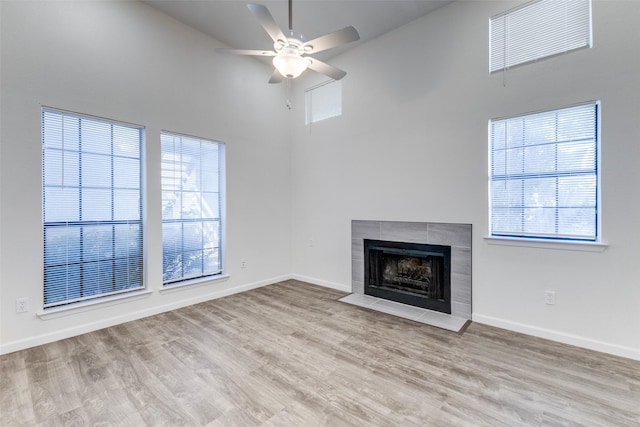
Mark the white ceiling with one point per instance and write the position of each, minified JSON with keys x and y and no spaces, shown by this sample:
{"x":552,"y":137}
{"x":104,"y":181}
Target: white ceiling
{"x":231,"y":22}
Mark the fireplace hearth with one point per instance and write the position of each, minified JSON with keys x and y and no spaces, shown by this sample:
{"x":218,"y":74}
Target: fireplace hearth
{"x":411,"y":273}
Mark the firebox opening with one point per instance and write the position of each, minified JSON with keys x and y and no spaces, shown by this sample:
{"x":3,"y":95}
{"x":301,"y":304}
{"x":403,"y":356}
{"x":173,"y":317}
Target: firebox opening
{"x":411,"y":273}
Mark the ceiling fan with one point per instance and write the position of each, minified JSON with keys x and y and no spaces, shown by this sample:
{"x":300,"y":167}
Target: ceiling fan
{"x":291,"y":50}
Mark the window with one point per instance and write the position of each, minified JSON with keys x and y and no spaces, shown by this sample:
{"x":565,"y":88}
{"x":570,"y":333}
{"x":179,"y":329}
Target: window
{"x":544,"y":174}
{"x":323,"y":101}
{"x":92,"y":207}
{"x":539,"y":29}
{"x":192,"y":206}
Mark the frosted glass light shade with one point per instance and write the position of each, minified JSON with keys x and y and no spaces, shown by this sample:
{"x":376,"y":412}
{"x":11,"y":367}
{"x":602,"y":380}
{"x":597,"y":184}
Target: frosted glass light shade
{"x":290,"y":65}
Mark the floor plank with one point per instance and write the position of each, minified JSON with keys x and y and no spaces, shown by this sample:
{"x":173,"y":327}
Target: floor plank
{"x":290,"y":354}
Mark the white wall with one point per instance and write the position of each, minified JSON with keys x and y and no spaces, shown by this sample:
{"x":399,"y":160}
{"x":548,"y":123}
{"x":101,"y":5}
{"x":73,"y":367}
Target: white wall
{"x":411,"y":145}
{"x":416,"y":106}
{"x":126,"y":61}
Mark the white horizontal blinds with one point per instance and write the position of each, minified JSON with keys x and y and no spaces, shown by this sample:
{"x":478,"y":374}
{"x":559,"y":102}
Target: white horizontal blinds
{"x":537,"y":30}
{"x":544,"y":174}
{"x":323,"y":101}
{"x":191,"y":207}
{"x":92,"y":207}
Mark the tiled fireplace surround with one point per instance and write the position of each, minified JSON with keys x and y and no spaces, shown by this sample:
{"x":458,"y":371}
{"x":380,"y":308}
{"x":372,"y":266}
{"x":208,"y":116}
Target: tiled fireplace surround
{"x":458,"y":236}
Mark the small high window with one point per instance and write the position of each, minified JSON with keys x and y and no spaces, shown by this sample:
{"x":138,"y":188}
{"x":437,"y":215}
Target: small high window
{"x":323,"y":101}
{"x":538,"y":29}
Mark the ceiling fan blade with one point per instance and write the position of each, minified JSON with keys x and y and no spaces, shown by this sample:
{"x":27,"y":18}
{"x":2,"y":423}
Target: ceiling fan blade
{"x":335,"y":39}
{"x":275,"y":77}
{"x":268,"y":23}
{"x":326,"y":69}
{"x":245,"y":52}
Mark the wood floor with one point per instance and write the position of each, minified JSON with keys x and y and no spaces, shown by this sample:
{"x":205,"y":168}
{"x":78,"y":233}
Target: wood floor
{"x":290,"y":354}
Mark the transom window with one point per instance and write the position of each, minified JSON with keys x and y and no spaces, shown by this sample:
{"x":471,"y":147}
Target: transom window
{"x":538,"y":29}
{"x":92,"y":207}
{"x":192,"y":207}
{"x":323,"y":101}
{"x":544,"y":174}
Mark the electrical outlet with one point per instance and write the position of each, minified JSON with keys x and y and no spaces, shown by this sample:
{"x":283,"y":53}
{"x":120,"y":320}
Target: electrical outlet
{"x":550,"y":297}
{"x":22,"y":305}
{"x":310,"y":243}
{"x":243,"y":263}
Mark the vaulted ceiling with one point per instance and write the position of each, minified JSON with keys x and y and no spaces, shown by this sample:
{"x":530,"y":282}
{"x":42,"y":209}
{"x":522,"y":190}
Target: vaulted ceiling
{"x":231,"y":22}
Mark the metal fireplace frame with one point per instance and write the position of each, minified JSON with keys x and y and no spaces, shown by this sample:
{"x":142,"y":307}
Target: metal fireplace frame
{"x":421,"y":250}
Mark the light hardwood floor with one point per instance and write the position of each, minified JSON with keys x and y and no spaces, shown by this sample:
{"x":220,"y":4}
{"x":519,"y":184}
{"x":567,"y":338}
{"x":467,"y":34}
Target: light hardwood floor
{"x":290,"y":354}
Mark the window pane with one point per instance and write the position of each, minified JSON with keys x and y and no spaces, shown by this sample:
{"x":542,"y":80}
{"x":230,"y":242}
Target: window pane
{"x":191,"y":205}
{"x":576,"y":221}
{"x":577,"y":156}
{"x":192,"y":263}
{"x":126,"y":142}
{"x":97,"y":242}
{"x":539,"y":221}
{"x":126,"y":205}
{"x":96,"y":204}
{"x":96,"y":170}
{"x":61,"y":204}
{"x":171,"y":206}
{"x":539,"y":192}
{"x":58,"y":172}
{"x":62,"y":245}
{"x":211,"y":262}
{"x":126,"y":172}
{"x":210,"y":205}
{"x":95,"y":136}
{"x":539,"y":159}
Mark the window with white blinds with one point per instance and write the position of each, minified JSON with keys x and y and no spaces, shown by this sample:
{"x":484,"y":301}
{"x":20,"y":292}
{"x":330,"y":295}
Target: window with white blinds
{"x":544,"y":174}
{"x":538,"y":29}
{"x":92,"y":207}
{"x":192,"y":207}
{"x":323,"y":101}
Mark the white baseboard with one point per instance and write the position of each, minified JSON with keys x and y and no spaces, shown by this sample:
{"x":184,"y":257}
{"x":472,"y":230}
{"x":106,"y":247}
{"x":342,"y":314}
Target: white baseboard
{"x":320,"y":282}
{"x":22,"y":344}
{"x":576,"y":340}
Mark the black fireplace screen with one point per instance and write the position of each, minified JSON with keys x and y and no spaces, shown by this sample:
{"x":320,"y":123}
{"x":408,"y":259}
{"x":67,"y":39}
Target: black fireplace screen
{"x":410,"y":273}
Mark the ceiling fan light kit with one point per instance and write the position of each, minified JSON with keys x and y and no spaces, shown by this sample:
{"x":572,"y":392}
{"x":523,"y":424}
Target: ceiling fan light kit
{"x":290,"y":65}
{"x":290,"y":52}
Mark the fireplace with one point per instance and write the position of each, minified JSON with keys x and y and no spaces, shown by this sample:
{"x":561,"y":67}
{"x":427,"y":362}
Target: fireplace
{"x":410,"y":273}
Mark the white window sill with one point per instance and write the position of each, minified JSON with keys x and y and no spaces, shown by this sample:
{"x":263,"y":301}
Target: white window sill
{"x":547,"y":244}
{"x":178,"y":286}
{"x":81,"y":307}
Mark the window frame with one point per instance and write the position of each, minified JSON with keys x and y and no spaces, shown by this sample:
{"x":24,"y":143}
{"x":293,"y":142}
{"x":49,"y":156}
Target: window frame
{"x":221,"y":219}
{"x":569,"y":242}
{"x":329,"y":112}
{"x":80,"y":224}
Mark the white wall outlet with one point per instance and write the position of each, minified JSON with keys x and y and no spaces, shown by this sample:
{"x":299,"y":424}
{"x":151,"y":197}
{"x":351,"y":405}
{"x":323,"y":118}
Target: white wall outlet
{"x":310,"y":243}
{"x":243,"y":263}
{"x":550,"y":297}
{"x":22,"y":305}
